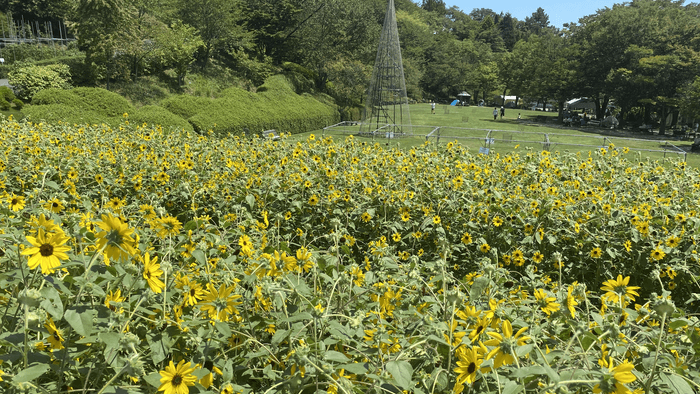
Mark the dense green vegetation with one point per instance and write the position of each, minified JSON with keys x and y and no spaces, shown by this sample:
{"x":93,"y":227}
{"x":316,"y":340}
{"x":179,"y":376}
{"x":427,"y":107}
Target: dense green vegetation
{"x":641,"y":56}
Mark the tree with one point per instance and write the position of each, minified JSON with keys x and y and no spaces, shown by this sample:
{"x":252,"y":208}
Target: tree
{"x":271,"y":24}
{"x":38,"y":10}
{"x":639,"y":53}
{"x":103,"y":26}
{"x":489,"y":34}
{"x":509,"y":31}
{"x":437,"y":6}
{"x":537,"y":23}
{"x":177,"y":46}
{"x":542,"y":68}
{"x":219,"y":23}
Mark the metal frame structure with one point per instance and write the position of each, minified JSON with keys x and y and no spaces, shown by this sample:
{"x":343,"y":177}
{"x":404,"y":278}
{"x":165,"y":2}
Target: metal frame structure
{"x":387,"y":102}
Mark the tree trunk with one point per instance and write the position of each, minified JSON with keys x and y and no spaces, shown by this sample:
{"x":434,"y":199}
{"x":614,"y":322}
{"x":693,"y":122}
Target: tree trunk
{"x":600,"y":114}
{"x":561,"y":110}
{"x":662,"y":123}
{"x":503,"y":102}
{"x":623,"y":115}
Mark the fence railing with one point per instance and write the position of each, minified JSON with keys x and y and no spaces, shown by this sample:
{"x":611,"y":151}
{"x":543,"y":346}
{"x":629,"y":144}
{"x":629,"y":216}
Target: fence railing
{"x":490,"y":140}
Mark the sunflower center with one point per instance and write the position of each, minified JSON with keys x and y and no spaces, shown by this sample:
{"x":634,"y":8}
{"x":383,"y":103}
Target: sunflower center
{"x":55,"y":205}
{"x":472,"y":367}
{"x":46,"y":250}
{"x":114,"y":237}
{"x":14,"y":201}
{"x":177,"y":379}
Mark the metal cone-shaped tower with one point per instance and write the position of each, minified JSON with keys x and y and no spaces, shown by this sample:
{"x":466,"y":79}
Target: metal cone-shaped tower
{"x":386,"y":107}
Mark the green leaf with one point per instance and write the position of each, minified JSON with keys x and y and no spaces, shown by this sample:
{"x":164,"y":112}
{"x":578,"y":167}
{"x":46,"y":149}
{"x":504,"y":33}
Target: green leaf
{"x":401,"y":371}
{"x":355,"y":368}
{"x":224,"y":329}
{"x":31,"y":373}
{"x":199,"y":256}
{"x":332,"y":355}
{"x":52,"y":302}
{"x":511,"y":387}
{"x":478,"y":287}
{"x":279,"y":336}
{"x":677,"y":324}
{"x":250,"y":199}
{"x":528,"y":371}
{"x":153,"y":379}
{"x":80,"y":321}
{"x":676,"y":383}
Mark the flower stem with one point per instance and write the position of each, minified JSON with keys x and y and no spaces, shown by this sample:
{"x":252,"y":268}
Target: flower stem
{"x":647,"y":386}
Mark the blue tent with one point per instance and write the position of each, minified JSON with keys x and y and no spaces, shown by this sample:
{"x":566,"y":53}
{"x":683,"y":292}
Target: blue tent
{"x":455,"y":102}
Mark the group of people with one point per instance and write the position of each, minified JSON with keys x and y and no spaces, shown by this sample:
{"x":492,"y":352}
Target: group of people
{"x":495,"y":112}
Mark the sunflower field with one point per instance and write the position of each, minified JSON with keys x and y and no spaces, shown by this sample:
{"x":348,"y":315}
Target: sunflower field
{"x":141,"y":260}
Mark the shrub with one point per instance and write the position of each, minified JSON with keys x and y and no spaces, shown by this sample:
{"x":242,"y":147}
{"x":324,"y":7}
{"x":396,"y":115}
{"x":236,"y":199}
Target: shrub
{"x":6,"y":93}
{"x":4,"y":104}
{"x":18,"y":104}
{"x":275,"y":106}
{"x":154,"y":115}
{"x":103,"y":101}
{"x":57,"y":96}
{"x":29,"y":80}
{"x":54,"y":113}
{"x":186,"y":106}
{"x":100,"y":101}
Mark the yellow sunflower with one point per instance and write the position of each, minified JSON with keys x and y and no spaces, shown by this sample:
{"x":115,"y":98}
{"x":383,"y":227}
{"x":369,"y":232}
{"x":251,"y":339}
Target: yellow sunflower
{"x":468,"y":364}
{"x":47,"y":250}
{"x":167,"y":226}
{"x":220,"y":304}
{"x":55,"y":205}
{"x":621,"y":375}
{"x":16,"y":202}
{"x":152,"y":273}
{"x":55,"y":335}
{"x":176,"y":379}
{"x":114,"y":297}
{"x":546,"y":303}
{"x":618,"y":289}
{"x":116,"y":238}
{"x":505,"y":344}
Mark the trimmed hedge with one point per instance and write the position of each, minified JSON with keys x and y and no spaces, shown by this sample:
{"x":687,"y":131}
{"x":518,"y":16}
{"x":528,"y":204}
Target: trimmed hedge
{"x":53,"y":113}
{"x":275,"y":106}
{"x":98,"y":100}
{"x":186,"y":106}
{"x":154,"y":115}
{"x":78,"y":106}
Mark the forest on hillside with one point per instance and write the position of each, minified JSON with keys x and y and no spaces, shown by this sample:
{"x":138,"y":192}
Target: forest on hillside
{"x":642,"y":56}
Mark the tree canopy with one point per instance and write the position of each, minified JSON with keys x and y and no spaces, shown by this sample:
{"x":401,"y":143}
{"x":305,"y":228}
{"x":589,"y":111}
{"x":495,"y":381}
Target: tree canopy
{"x":641,"y":56}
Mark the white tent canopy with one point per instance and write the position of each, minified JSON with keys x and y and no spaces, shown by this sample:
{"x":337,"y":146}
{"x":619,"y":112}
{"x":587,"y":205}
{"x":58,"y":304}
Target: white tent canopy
{"x":580,"y":103}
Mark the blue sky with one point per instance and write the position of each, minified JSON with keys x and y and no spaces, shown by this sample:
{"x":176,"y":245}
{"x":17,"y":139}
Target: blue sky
{"x":560,"y":12}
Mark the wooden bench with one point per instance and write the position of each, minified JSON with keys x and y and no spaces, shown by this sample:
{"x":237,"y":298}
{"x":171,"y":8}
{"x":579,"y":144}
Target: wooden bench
{"x":271,"y":134}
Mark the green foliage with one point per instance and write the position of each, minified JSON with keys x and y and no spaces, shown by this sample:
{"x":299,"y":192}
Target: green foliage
{"x":33,"y":53}
{"x":4,"y":104}
{"x":151,"y":115}
{"x":79,"y":106}
{"x":6,"y":93}
{"x":275,"y":106}
{"x":103,"y":101}
{"x":177,"y":46}
{"x":18,"y":104}
{"x":186,"y":106}
{"x":29,"y":80}
{"x":55,"y":113}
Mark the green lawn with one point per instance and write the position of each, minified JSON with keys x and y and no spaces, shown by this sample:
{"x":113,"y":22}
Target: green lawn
{"x":471,"y":126}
